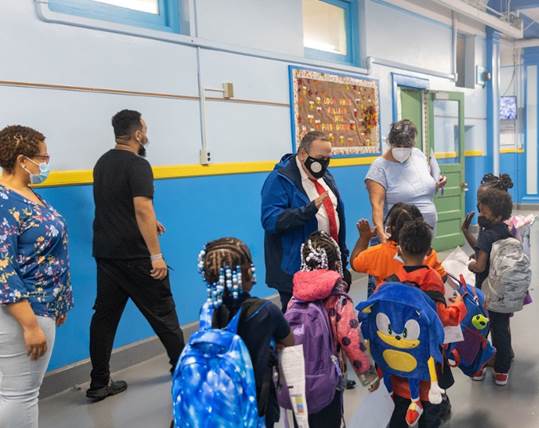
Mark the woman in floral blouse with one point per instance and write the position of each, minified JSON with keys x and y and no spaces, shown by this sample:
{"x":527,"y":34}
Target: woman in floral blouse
{"x":35,"y":285}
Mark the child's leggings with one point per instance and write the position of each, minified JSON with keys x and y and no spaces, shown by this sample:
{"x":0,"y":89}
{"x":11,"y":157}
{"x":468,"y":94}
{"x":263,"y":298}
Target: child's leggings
{"x":501,"y":339}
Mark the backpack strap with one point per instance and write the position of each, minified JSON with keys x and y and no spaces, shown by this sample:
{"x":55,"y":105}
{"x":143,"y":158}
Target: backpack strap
{"x":250,"y":309}
{"x":232,"y":326}
{"x":437,"y":296}
{"x":206,"y":316}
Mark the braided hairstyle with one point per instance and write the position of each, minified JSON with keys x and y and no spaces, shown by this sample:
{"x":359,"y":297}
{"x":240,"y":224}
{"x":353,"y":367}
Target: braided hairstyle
{"x":415,"y":238}
{"x":227,"y":267}
{"x":503,"y":182}
{"x":320,"y":251}
{"x":400,"y":214}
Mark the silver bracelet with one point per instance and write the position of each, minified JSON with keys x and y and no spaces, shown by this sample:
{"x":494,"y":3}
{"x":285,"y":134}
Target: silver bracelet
{"x":156,"y":257}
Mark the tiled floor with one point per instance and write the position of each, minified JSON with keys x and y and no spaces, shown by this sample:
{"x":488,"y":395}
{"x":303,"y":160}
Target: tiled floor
{"x":146,"y":404}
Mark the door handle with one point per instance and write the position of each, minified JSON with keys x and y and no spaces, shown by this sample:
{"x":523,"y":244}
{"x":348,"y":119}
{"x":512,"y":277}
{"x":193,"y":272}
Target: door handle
{"x":464,"y":186}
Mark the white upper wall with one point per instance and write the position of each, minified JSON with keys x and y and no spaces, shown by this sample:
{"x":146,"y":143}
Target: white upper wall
{"x":396,"y":34}
{"x":254,"y":127}
{"x":275,"y":25}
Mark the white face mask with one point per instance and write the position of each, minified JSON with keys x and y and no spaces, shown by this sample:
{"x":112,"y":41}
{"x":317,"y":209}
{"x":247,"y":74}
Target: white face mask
{"x":401,"y":154}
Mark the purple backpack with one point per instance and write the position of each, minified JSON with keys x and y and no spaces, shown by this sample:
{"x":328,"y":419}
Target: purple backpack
{"x":310,"y":325}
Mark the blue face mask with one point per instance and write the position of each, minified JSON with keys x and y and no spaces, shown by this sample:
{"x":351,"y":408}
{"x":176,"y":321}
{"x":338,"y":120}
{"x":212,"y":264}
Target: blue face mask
{"x":44,"y":170}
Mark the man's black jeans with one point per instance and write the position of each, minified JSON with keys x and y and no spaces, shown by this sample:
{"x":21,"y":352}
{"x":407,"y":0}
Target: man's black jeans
{"x":117,"y":281}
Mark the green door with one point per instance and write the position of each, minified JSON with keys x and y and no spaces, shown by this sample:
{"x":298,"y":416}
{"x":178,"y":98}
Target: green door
{"x":411,"y":108}
{"x":446,"y":142}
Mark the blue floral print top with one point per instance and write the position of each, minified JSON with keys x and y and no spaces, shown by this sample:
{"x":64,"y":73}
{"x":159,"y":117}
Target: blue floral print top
{"x":34,"y":264}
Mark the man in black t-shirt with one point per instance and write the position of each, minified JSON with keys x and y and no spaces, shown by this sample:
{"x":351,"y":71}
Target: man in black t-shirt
{"x":127,"y":252}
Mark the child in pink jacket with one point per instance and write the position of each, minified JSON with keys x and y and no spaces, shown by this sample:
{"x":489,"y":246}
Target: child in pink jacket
{"x":321,"y":278}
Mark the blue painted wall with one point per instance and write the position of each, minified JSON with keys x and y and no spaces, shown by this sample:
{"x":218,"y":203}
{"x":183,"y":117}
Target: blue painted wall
{"x":194,"y":210}
{"x":475,"y":168}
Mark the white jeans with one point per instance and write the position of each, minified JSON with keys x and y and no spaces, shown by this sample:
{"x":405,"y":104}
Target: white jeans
{"x":21,"y":377}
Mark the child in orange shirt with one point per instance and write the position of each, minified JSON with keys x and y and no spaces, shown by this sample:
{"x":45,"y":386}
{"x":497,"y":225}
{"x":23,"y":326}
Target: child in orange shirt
{"x":414,"y":243}
{"x":382,"y":260}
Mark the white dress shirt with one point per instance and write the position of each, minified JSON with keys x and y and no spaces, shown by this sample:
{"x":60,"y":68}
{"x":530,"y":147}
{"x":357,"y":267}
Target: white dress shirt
{"x":309,"y":187}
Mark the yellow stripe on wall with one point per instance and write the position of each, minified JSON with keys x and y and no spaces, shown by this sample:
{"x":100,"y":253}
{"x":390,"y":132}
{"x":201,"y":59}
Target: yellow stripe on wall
{"x":445,"y":155}
{"x":77,"y":177}
{"x":505,"y":150}
{"x":511,"y":150}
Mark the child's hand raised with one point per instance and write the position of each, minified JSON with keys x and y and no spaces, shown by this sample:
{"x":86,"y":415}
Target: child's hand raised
{"x":467,"y":221}
{"x":365,"y":230}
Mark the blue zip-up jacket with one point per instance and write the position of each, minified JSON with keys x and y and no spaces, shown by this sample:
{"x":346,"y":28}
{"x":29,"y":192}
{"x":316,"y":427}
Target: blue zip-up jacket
{"x":288,"y":218}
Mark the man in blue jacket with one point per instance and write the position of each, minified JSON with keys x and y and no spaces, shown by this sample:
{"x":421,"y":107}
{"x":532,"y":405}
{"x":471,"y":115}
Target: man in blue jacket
{"x":298,"y":198}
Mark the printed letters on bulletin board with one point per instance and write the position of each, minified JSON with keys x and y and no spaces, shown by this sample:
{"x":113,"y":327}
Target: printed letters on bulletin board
{"x":345,"y":108}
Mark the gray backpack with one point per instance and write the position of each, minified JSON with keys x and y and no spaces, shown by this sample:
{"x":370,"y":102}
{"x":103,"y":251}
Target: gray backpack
{"x":509,"y":276}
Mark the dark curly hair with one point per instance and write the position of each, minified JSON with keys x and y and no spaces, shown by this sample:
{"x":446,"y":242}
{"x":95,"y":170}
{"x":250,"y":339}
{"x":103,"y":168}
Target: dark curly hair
{"x":415,"y":238}
{"x":498,"y":201}
{"x":503,"y":182}
{"x":398,"y":216}
{"x":402,"y":134}
{"x":18,"y":140}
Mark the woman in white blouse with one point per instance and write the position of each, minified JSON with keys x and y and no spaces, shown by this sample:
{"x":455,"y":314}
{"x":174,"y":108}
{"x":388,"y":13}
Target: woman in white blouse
{"x":403,"y":174}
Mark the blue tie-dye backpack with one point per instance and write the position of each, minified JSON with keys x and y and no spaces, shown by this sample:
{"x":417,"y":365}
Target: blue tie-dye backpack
{"x":214,"y":384}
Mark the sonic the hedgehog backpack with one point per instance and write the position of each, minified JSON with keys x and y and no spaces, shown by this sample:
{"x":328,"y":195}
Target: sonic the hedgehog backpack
{"x":473,"y":353}
{"x":214,"y":384}
{"x":405,"y":336}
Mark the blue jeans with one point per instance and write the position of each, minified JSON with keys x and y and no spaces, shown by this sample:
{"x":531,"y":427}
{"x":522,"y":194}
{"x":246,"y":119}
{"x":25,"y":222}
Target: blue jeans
{"x":20,"y":376}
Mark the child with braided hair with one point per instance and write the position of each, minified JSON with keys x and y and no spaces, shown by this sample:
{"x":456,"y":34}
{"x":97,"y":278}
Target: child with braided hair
{"x":321,"y":280}
{"x":261,"y":322}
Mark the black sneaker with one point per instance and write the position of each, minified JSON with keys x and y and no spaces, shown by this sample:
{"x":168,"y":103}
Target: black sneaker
{"x":114,"y":387}
{"x":350,"y":384}
{"x":445,"y":408}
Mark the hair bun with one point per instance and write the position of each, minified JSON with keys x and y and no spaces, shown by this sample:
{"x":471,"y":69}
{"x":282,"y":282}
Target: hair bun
{"x":505,"y":181}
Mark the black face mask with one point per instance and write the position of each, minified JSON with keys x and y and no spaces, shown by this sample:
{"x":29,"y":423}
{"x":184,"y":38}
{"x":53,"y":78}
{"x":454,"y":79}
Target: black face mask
{"x":142,"y":149}
{"x":483,"y":222}
{"x":317,"y":167}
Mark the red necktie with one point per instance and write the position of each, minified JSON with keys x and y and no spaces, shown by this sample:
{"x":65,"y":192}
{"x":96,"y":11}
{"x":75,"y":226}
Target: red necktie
{"x":330,"y":210}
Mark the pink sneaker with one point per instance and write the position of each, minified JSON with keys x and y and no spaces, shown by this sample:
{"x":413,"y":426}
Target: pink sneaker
{"x":501,"y":378}
{"x":478,"y":376}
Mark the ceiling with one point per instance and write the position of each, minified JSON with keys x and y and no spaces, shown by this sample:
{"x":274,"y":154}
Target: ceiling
{"x":528,"y":9}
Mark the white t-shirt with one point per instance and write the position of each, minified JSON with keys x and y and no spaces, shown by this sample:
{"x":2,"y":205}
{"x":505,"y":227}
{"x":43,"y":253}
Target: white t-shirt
{"x":410,"y":182}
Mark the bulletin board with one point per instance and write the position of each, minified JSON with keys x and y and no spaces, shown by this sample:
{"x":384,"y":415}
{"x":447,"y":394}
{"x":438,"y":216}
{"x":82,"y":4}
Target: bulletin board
{"x":345,"y":108}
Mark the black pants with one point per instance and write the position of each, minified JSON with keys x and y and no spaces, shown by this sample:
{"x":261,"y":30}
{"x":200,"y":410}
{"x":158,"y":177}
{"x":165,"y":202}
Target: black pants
{"x":501,"y":339}
{"x":431,"y":417}
{"x":117,"y":281}
{"x":285,"y":298}
{"x":330,"y":416}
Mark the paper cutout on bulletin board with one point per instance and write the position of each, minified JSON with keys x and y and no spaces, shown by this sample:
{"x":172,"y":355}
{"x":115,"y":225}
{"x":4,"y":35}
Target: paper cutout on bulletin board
{"x":345,"y":108}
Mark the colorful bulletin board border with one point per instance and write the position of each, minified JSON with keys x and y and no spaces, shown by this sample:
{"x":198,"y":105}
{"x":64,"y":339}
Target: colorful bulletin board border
{"x":345,"y":107}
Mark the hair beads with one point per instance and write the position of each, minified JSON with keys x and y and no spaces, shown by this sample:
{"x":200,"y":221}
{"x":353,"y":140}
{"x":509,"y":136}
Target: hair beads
{"x":321,"y":252}
{"x":223,"y":265}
